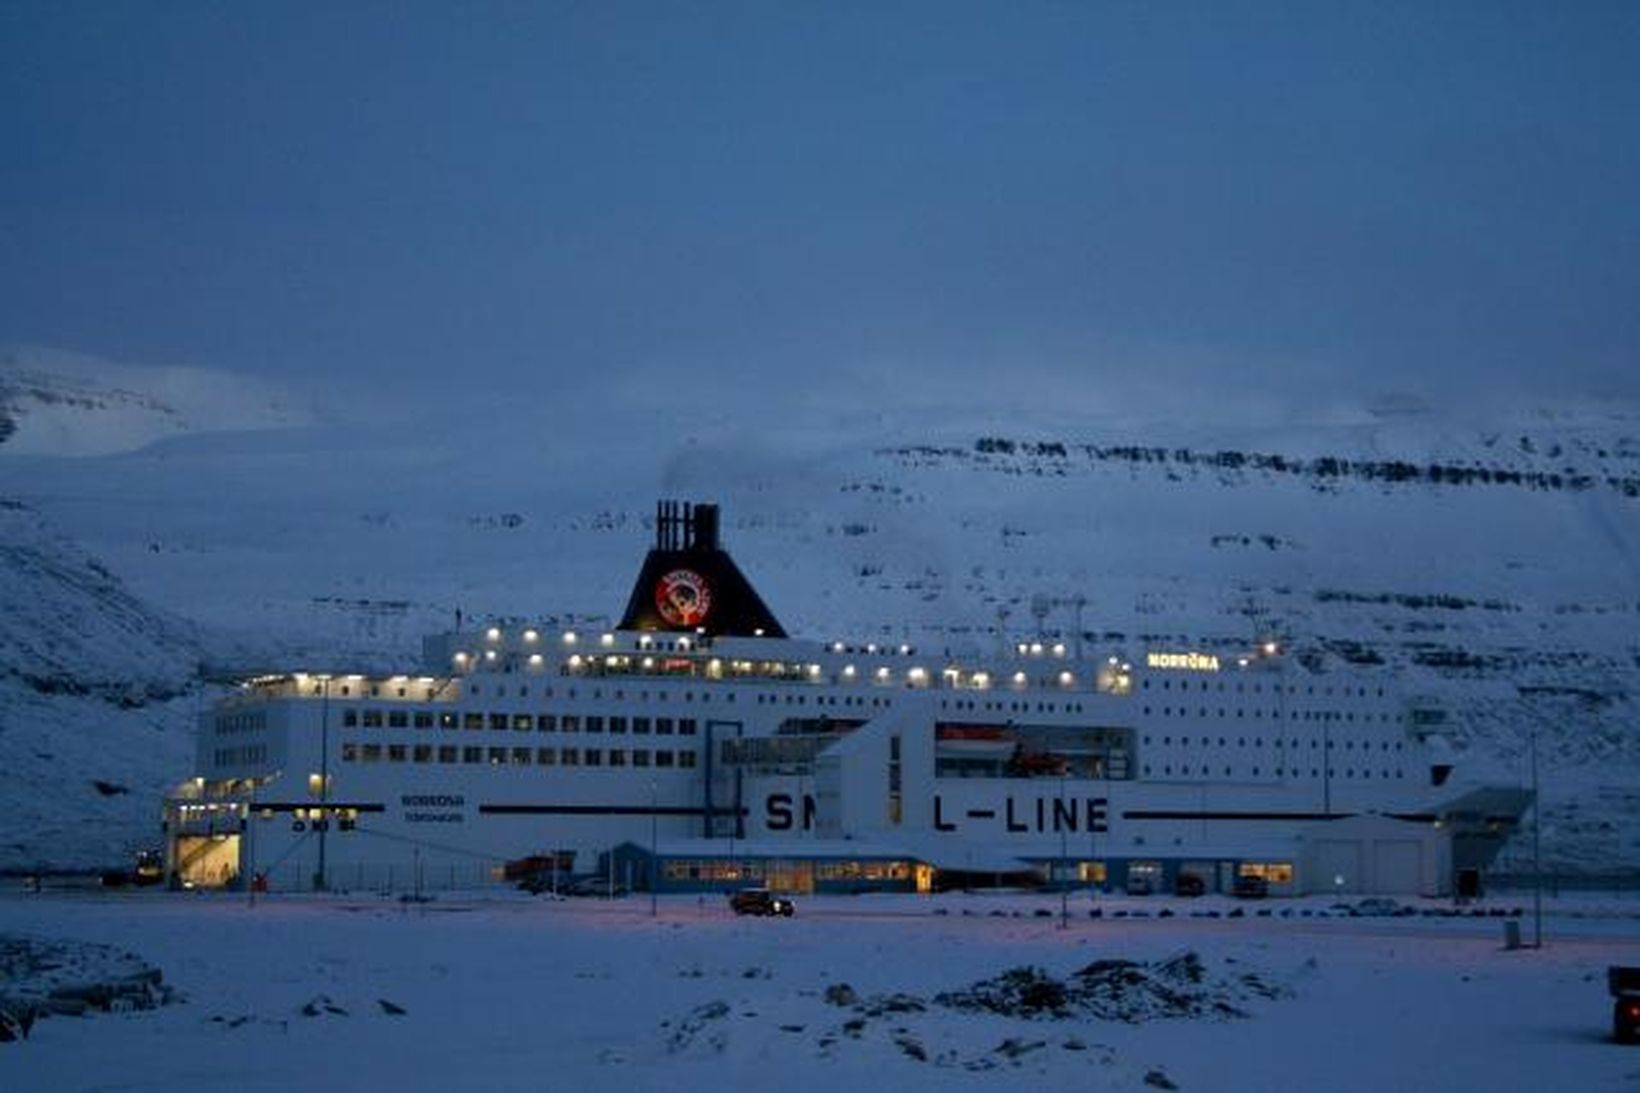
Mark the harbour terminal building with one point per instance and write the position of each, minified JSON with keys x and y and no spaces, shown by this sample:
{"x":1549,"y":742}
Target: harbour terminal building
{"x":697,"y":746}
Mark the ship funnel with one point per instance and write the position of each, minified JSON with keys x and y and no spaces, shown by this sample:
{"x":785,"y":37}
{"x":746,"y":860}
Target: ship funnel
{"x":690,"y":584}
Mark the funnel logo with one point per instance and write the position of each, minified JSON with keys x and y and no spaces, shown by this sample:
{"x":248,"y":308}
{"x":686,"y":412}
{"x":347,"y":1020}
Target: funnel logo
{"x":684,"y":597}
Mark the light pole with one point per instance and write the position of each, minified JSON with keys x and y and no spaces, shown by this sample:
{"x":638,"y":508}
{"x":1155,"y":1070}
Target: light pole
{"x":324,"y":778}
{"x":1537,"y":859}
{"x":1059,"y":818}
{"x":654,"y":850}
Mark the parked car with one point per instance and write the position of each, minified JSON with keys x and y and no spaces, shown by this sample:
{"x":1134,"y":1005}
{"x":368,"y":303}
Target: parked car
{"x":1624,"y":984}
{"x":1250,"y":887}
{"x":759,"y":901}
{"x":1189,"y":884}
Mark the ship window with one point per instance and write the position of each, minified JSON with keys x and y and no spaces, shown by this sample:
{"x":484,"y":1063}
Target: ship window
{"x":617,"y":724}
{"x":422,"y":753}
{"x":498,"y":722}
{"x":446,"y":753}
{"x":593,"y":757}
{"x":663,"y":758}
{"x":640,"y":725}
{"x":498,"y":756}
{"x":546,"y":757}
{"x":686,"y":758}
{"x":398,"y":719}
{"x":472,"y":755}
{"x":396,"y":753}
{"x":472,"y":721}
{"x":521,"y":756}
{"x":547,"y":723}
{"x":640,"y":757}
{"x":372,"y":719}
{"x":346,"y":690}
{"x":570,"y":723}
{"x":617,"y":757}
{"x":595,"y":724}
{"x":663,"y":726}
{"x":569,"y":757}
{"x":350,"y":718}
{"x":686,"y":726}
{"x":424,"y":719}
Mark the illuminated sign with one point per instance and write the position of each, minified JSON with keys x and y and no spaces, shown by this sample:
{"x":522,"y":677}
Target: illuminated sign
{"x":683,"y":597}
{"x":1190,"y":662}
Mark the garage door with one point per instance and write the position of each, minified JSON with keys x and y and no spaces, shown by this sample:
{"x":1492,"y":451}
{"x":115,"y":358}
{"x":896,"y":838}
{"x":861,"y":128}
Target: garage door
{"x":1396,"y":867}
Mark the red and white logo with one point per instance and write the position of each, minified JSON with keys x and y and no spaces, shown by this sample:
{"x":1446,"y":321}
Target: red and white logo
{"x":684,"y":598}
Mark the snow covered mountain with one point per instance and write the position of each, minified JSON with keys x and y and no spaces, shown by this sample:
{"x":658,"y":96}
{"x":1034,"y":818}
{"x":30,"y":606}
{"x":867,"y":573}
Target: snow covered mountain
{"x":56,"y":403}
{"x":1488,"y":562}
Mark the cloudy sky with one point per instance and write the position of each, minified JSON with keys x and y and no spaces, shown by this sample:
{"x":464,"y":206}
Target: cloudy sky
{"x":1437,"y":198}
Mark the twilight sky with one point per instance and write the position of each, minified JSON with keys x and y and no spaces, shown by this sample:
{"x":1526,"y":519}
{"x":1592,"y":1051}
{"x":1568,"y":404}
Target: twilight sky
{"x":615,"y":197}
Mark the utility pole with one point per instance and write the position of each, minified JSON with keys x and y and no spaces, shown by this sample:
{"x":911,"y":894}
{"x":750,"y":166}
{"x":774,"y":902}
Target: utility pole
{"x":1537,"y":856}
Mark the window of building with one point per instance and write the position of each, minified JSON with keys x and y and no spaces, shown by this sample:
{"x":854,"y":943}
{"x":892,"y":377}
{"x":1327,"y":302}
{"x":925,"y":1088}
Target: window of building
{"x":663,"y":758}
{"x":498,"y":722}
{"x":570,"y":723}
{"x":398,"y":719}
{"x":472,"y":755}
{"x":595,"y":724}
{"x":569,"y":757}
{"x":397,"y":753}
{"x":547,"y":723}
{"x":372,"y":719}
{"x":446,"y":753}
{"x":546,"y":757}
{"x":472,"y":721}
{"x":592,"y":757}
{"x":422,"y":753}
{"x":522,"y":722}
{"x":521,"y":757}
{"x":640,"y":725}
{"x":498,"y":757}
{"x":640,"y":757}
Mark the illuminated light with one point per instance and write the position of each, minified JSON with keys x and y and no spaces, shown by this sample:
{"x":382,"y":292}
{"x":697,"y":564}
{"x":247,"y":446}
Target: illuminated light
{"x":814,"y":670}
{"x":606,"y":640}
{"x":354,"y":678}
{"x":837,"y":647}
{"x":648,"y":662}
{"x":492,"y":634}
{"x":917,"y":675}
{"x":461,"y":659}
{"x":871,"y":647}
{"x":982,"y":679}
{"x":1059,"y":649}
{"x":1019,"y":679}
{"x":569,"y":637}
{"x":532,"y":636}
{"x":905,"y":650}
{"x":489,"y":654}
{"x":1022,"y":649}
{"x":1271,"y":648}
{"x":425,"y":679}
{"x":848,"y":671}
{"x":758,"y":632}
{"x":645,"y":641}
{"x":575,"y":661}
{"x":316,"y":783}
{"x":1113,"y":662}
{"x":535,"y":660}
{"x":683,"y":643}
{"x":1066,"y":679}
{"x":882,"y":673}
{"x":1241,"y":662}
{"x":1036,"y":648}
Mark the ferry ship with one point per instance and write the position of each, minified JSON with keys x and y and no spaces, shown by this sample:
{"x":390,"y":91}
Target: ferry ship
{"x":698,"y":746}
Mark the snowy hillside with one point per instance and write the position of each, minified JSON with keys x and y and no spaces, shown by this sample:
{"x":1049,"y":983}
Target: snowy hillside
{"x":56,"y":403}
{"x":1487,"y":563}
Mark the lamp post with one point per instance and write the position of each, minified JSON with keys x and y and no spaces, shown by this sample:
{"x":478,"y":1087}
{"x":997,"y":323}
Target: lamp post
{"x":324,"y":778}
{"x":1537,"y":859}
{"x":654,"y":850}
{"x":1059,"y":819}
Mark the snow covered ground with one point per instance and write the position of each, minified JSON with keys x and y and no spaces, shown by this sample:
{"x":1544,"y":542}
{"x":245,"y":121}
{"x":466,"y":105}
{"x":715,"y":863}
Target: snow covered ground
{"x":503,"y":993}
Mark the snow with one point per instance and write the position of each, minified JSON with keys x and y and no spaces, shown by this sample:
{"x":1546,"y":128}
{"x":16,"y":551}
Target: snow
{"x":255,"y":541}
{"x":500,"y":992}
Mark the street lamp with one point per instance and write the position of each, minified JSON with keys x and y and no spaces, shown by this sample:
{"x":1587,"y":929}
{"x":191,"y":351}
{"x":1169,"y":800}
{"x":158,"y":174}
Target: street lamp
{"x":1059,"y":818}
{"x":324,"y":778}
{"x":654,"y":849}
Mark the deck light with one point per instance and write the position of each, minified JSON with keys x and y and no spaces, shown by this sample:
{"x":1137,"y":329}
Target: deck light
{"x":492,"y":634}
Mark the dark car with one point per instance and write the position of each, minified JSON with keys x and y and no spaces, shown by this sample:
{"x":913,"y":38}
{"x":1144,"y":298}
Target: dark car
{"x":1624,"y":983}
{"x":1251,"y":888}
{"x":1188,"y":884}
{"x":759,"y":901}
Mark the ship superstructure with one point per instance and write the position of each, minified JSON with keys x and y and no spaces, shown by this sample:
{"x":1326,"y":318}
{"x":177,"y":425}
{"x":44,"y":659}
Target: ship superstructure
{"x":696,"y":744}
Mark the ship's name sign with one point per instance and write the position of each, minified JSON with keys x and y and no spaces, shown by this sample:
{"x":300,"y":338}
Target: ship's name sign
{"x":1037,"y":815}
{"x":434,"y":808}
{"x":1188,"y":662}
